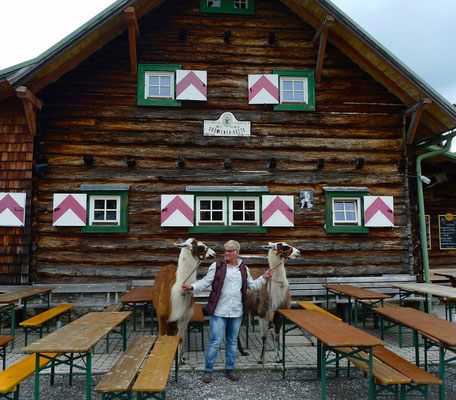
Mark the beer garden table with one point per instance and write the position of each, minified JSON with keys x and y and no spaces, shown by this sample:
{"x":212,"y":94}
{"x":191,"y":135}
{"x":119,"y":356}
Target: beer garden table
{"x":8,"y":302}
{"x":331,"y":334}
{"x":78,"y":337}
{"x":444,"y":332}
{"x":140,"y":296}
{"x":363,"y":298}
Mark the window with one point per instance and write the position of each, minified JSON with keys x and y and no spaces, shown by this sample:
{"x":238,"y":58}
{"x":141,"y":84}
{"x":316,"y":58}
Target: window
{"x":106,"y":208}
{"x":156,"y":85}
{"x":227,"y":209}
{"x":228,"y":6}
{"x":344,"y":210}
{"x":297,"y":90}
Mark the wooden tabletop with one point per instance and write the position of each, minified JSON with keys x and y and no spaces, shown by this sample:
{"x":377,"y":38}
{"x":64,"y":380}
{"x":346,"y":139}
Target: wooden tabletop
{"x":80,"y":335}
{"x":357,"y":292}
{"x":442,"y":330}
{"x":330,"y":331}
{"x":139,"y":294}
{"x":11,"y":297}
{"x":429,"y":288}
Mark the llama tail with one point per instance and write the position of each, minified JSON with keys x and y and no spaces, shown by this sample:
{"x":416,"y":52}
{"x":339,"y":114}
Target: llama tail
{"x":180,"y":302}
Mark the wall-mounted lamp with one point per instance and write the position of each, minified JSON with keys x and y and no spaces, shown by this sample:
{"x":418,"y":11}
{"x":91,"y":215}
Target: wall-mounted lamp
{"x":227,"y":36}
{"x":320,"y":163}
{"x":181,"y":162}
{"x":359,"y":162}
{"x":272,"y":163}
{"x":42,"y":169}
{"x":272,"y":38}
{"x":131,"y":161}
{"x":88,"y":159}
{"x":227,"y":163}
{"x":425,"y":179}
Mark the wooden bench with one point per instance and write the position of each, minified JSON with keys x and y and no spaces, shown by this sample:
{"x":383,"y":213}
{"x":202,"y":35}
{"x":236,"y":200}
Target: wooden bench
{"x":114,"y":307}
{"x":307,"y":305}
{"x":153,"y":378}
{"x":196,"y":324}
{"x":120,"y":377}
{"x":11,"y":377}
{"x":4,"y":341}
{"x":35,"y":324}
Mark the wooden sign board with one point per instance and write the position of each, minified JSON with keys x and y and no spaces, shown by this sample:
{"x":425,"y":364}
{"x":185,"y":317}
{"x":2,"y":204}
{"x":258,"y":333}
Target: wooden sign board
{"x":227,"y":125}
{"x":447,"y":232}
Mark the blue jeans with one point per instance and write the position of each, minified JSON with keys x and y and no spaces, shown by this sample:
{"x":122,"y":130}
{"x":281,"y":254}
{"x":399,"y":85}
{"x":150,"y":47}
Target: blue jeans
{"x":220,"y":325}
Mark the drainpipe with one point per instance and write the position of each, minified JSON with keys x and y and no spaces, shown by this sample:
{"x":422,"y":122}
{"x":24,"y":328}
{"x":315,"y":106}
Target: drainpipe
{"x":424,"y":250}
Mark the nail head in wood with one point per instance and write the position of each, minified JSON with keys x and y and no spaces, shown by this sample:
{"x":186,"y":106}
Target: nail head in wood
{"x":320,"y":163}
{"x":227,"y":36}
{"x":359,"y":162}
{"x":88,"y":159}
{"x":181,"y":162}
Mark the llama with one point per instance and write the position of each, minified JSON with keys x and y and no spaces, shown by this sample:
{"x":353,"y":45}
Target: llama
{"x":173,"y":306}
{"x":272,"y":296}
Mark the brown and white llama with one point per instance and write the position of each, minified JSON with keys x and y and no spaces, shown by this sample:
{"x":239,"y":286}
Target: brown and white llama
{"x":273,"y":295}
{"x":173,"y":306}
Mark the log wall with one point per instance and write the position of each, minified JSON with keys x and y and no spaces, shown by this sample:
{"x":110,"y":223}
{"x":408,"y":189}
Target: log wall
{"x":92,"y":110}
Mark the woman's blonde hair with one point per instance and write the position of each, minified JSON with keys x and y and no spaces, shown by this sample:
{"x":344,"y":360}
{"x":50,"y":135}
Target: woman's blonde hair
{"x":233,"y":244}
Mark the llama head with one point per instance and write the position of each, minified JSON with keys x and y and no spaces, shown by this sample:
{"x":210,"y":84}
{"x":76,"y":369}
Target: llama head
{"x":198,"y":249}
{"x":283,"y":250}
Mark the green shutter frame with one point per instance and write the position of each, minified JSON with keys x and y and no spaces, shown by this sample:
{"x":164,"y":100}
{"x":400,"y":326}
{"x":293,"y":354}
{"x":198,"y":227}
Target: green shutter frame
{"x":141,"y":100}
{"x":310,"y":75}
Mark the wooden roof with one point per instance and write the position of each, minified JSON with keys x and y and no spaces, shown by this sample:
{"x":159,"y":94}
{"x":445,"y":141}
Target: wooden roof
{"x":438,"y":117}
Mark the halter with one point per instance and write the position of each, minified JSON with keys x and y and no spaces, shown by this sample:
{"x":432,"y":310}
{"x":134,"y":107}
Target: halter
{"x":285,"y":253}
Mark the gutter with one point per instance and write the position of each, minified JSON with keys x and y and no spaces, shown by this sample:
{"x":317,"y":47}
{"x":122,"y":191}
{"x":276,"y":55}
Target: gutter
{"x":424,"y":250}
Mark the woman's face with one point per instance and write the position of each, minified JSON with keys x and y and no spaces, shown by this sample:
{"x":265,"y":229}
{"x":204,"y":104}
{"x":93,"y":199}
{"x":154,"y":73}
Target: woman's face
{"x":231,"y":255}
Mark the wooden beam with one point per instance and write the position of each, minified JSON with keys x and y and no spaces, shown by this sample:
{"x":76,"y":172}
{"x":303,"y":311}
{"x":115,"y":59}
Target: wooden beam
{"x":416,"y":110}
{"x":322,"y":37}
{"x":31,"y":103}
{"x":133,"y":34}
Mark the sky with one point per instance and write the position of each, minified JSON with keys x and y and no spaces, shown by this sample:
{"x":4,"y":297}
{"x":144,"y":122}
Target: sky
{"x":420,"y":33}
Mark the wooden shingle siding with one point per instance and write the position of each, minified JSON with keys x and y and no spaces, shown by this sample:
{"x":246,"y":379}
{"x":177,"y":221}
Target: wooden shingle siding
{"x":92,"y":110}
{"x":16,"y":156}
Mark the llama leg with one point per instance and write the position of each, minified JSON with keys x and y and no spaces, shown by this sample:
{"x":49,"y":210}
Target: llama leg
{"x":239,"y":344}
{"x":277,"y":326}
{"x":162,"y":325}
{"x":182,"y":326}
{"x":264,"y":322}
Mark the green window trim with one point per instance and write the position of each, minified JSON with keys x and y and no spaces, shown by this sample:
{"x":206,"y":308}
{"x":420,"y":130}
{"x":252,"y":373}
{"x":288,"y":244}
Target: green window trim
{"x":329,"y":226}
{"x":227,"y":7}
{"x":229,"y":228}
{"x":123,"y":223}
{"x":142,"y":70}
{"x":310,"y":75}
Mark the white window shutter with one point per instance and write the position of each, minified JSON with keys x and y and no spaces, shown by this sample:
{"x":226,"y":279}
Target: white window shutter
{"x":264,"y":89}
{"x":12,"y":209}
{"x":378,"y":211}
{"x":191,"y":85}
{"x":278,"y":210}
{"x":69,"y":209}
{"x":177,"y":210}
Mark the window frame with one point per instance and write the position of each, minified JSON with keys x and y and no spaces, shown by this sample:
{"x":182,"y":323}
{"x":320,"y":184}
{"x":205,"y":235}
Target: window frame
{"x":122,"y":226}
{"x":308,"y":75}
{"x":228,"y":197}
{"x":330,"y":196}
{"x":227,"y":7}
{"x":145,"y":70}
{"x":357,"y":211}
{"x":198,"y":221}
{"x":256,"y":222}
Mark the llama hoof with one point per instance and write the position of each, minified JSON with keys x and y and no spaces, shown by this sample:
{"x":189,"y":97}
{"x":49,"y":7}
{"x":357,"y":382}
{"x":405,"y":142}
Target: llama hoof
{"x":260,"y":362}
{"x":278,"y":361}
{"x":244,"y":353}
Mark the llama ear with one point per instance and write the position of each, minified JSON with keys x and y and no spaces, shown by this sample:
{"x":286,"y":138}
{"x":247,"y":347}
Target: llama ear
{"x":268,"y":246}
{"x":181,"y":244}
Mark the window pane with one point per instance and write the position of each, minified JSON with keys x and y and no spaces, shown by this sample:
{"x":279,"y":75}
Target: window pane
{"x":338,"y":206}
{"x":153,"y":91}
{"x":237,"y":205}
{"x":238,"y":216}
{"x":153,"y":80}
{"x":99,"y":204}
{"x":240,"y":3}
{"x":111,"y":204}
{"x":287,"y":85}
{"x":299,"y":85}
{"x":250,"y":205}
{"x":166,"y":91}
{"x":217,"y":216}
{"x":111,"y":215}
{"x":351,"y":216}
{"x":205,"y":205}
{"x":299,"y":96}
{"x":250,"y":216}
{"x":205,"y":216}
{"x":217,"y":205}
{"x":339,"y":216}
{"x":165,"y":81}
{"x":99,"y":215}
{"x":349,"y":206}
{"x":213,"y":3}
{"x":287,"y":96}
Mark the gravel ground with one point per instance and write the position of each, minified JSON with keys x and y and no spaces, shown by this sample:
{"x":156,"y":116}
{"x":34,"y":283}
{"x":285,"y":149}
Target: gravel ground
{"x":258,"y":385}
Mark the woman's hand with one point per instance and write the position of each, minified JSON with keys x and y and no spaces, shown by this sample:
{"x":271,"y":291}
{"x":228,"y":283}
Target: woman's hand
{"x":186,"y":287}
{"x":268,"y":274}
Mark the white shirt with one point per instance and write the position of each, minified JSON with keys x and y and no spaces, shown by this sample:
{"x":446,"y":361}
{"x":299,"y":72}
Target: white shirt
{"x":230,"y":302}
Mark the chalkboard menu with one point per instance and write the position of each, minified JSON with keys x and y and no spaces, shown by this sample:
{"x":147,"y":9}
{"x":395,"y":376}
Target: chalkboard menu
{"x":447,"y":231}
{"x":427,"y":219}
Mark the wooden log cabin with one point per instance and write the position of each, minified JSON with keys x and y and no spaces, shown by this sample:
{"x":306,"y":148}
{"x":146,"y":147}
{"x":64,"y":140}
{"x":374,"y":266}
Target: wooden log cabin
{"x":255,"y":121}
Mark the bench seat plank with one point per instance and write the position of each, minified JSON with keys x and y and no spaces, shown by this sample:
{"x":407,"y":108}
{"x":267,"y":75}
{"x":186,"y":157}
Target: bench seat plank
{"x":416,"y":374}
{"x":121,"y":376}
{"x":307,"y":305}
{"x":45,"y":316}
{"x":383,"y":373}
{"x":4,"y":340}
{"x":114,"y":307}
{"x":15,"y":374}
{"x":154,"y":375}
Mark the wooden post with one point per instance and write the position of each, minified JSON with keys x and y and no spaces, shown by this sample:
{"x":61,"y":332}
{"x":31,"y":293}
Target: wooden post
{"x":30,"y":102}
{"x":416,"y":110}
{"x":321,"y":37}
{"x":133,"y":34}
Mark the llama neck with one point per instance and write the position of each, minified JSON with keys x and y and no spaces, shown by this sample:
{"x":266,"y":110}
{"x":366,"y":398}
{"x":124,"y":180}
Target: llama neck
{"x":278,"y":264}
{"x":186,"y":267}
